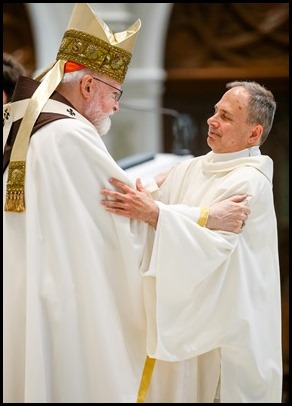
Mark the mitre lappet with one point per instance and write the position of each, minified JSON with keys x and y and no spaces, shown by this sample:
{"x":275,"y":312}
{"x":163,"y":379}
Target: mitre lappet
{"x":87,"y":42}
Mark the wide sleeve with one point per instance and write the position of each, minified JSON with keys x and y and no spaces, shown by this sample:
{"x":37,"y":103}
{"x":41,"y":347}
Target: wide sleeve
{"x":188,"y":262}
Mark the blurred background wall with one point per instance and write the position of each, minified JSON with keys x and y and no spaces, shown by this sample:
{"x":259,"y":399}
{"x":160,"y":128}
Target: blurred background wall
{"x":184,"y":56}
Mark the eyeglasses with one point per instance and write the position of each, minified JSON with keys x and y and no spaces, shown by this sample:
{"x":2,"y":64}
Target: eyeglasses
{"x":117,"y":95}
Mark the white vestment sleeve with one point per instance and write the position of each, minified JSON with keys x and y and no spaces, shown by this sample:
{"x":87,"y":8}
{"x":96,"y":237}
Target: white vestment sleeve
{"x":188,"y":257}
{"x":190,"y":212}
{"x":207,"y":291}
{"x":71,"y":282}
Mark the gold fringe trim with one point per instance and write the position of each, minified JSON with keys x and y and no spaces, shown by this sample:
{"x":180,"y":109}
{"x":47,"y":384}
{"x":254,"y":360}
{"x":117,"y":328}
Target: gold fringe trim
{"x":15,"y":187}
{"x":16,"y":170}
{"x":146,"y":379}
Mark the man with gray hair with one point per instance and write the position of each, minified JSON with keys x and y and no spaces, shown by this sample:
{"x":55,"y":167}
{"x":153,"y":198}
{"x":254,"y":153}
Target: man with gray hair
{"x":213,"y":298}
{"x":74,"y":318}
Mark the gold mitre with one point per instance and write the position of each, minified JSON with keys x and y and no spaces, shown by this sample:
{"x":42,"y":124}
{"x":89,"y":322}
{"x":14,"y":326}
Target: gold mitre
{"x":89,"y":42}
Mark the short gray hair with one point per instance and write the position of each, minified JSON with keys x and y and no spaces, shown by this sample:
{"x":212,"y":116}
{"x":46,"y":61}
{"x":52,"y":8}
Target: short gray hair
{"x":261,"y":105}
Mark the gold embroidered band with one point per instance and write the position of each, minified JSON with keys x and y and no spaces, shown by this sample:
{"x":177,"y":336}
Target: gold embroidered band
{"x":95,"y":54}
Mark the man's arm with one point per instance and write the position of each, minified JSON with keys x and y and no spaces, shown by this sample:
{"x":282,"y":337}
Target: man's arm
{"x":138,"y":204}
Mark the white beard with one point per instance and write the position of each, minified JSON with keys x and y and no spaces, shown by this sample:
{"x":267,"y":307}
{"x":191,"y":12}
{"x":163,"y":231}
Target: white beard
{"x":104,"y":126}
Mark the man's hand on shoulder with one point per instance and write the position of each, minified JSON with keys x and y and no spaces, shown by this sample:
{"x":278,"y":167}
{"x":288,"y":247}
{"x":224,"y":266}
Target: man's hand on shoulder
{"x":136,"y":203}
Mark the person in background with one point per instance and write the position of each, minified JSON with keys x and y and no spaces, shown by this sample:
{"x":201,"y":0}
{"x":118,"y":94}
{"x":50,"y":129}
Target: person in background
{"x":73,"y":312}
{"x":12,"y":69}
{"x":213,"y":298}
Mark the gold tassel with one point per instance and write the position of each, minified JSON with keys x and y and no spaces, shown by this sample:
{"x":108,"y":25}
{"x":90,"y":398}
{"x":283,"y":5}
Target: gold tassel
{"x":15,"y":187}
{"x":16,"y":170}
